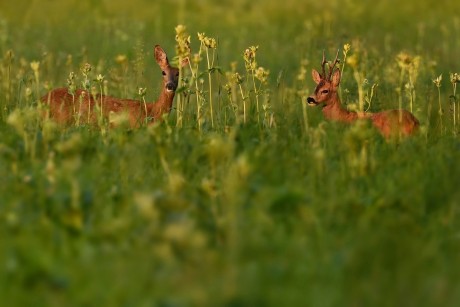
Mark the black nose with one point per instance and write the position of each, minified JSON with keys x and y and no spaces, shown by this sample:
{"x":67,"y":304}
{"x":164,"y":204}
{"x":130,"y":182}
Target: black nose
{"x":170,"y":86}
{"x":311,"y":100}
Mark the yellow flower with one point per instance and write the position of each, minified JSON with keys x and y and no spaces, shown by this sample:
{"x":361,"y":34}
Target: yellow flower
{"x":100,"y":78}
{"x":262,"y":74}
{"x":438,"y":80}
{"x":35,"y":65}
{"x":86,"y":69}
{"x":404,"y":59}
{"x":142,"y":91}
{"x":121,"y":58}
{"x":454,"y":78}
{"x":180,"y":29}
{"x":352,"y":61}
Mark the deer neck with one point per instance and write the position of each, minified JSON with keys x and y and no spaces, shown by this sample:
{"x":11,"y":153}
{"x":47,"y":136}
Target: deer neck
{"x":162,"y":105}
{"x":334,"y":111}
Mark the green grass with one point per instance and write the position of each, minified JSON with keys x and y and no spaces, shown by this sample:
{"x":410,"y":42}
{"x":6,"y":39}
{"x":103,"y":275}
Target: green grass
{"x":276,"y":208}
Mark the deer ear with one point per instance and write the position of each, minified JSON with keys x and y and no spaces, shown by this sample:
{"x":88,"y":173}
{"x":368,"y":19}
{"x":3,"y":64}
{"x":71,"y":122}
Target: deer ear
{"x":160,"y":56}
{"x":316,"y":76}
{"x":336,"y":78}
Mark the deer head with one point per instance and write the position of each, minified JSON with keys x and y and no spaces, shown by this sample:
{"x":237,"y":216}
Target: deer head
{"x":170,"y":74}
{"x":326,"y":85}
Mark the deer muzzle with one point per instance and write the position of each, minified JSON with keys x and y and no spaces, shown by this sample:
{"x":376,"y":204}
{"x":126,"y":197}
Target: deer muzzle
{"x":170,"y":87}
{"x":311,"y":101}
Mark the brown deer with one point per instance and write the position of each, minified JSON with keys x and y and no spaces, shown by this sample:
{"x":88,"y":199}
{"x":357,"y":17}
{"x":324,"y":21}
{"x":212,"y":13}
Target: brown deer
{"x":390,"y":123}
{"x":68,"y":109}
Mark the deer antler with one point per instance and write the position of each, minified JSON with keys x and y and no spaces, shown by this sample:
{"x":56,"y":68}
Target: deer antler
{"x":331,"y":67}
{"x":323,"y":65}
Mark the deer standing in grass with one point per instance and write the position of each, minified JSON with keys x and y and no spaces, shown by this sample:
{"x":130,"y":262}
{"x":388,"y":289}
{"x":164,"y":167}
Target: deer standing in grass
{"x":390,"y":123}
{"x":80,"y":107}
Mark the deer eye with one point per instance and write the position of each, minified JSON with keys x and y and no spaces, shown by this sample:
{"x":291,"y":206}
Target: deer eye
{"x":163,"y":73}
{"x":324,"y":91}
{"x":177,"y":74}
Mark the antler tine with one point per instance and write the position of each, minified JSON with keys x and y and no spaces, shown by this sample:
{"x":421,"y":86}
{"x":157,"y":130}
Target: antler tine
{"x":323,"y":64}
{"x":331,"y":67}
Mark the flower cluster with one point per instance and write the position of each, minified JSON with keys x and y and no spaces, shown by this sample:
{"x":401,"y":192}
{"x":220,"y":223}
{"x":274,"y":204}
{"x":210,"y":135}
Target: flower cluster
{"x":85,"y":70}
{"x":182,"y":42}
{"x":249,"y":57}
{"x":454,"y":78}
{"x":71,"y":83}
{"x":208,"y":42}
{"x":408,"y":62}
{"x":262,"y":74}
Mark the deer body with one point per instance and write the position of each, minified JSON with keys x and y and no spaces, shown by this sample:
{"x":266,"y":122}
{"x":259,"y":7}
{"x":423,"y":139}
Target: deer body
{"x":389,"y":123}
{"x":82,"y":107}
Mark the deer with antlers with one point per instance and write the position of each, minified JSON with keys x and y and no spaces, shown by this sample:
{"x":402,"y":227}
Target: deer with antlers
{"x":390,"y":123}
{"x":83,"y":107}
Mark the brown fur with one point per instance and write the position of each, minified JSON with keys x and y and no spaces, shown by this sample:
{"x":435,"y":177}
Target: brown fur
{"x":390,"y":123}
{"x":67,"y":109}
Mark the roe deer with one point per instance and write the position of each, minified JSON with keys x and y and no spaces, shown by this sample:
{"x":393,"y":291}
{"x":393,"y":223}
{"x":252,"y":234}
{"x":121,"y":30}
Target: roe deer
{"x":390,"y":123}
{"x":67,"y":109}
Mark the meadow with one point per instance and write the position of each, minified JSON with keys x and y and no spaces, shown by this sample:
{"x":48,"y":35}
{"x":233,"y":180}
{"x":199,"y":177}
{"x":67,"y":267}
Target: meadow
{"x":243,"y":195}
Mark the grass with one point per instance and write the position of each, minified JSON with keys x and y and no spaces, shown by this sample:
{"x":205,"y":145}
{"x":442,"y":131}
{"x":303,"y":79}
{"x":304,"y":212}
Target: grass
{"x":242,"y":197}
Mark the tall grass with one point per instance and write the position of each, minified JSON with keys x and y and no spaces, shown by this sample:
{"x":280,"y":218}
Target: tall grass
{"x":243,"y":195}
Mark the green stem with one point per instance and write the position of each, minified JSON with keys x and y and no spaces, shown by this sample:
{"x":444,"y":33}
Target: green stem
{"x":455,"y":113}
{"x":102,"y":113}
{"x":179,"y":102}
{"x":197,"y":90}
{"x":305,"y":116}
{"x":145,"y":108}
{"x":411,"y":92}
{"x":341,"y":72}
{"x":244,"y":104}
{"x":440,"y":109}
{"x":256,"y":93}
{"x":210,"y":88}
